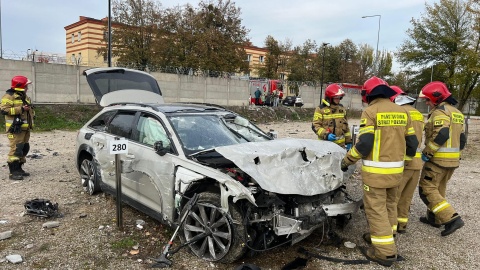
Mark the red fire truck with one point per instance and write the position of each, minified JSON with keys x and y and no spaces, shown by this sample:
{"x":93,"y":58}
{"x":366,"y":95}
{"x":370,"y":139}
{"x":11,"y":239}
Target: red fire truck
{"x":266,"y":86}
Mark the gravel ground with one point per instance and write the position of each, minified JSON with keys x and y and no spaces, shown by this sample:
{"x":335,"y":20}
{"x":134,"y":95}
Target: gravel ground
{"x":88,"y":238}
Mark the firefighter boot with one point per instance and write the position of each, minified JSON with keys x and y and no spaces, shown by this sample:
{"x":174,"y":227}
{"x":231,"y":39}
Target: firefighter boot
{"x":369,"y":253}
{"x":452,"y":226}
{"x":24,"y":173}
{"x":15,"y":174}
{"x":430,"y":220}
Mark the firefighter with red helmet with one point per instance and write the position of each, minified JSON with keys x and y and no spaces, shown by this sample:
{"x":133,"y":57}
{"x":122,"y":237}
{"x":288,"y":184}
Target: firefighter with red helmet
{"x":19,"y":113}
{"x":330,"y":118}
{"x":386,"y":135}
{"x":411,"y":173}
{"x":444,"y":139}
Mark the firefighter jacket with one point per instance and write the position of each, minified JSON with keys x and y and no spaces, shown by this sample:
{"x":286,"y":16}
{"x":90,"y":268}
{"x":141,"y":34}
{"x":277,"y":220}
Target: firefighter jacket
{"x":386,"y":135}
{"x":444,"y":135}
{"x":332,"y":119}
{"x":417,"y":119}
{"x":11,"y":106}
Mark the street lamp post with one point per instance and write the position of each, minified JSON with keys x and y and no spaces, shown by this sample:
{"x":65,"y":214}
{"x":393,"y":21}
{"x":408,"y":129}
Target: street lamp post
{"x":323,"y":68}
{"x":378,"y":38}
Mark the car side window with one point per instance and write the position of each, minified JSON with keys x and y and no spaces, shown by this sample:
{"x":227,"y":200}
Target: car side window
{"x":121,"y":124}
{"x":150,"y":130}
{"x":100,"y":123}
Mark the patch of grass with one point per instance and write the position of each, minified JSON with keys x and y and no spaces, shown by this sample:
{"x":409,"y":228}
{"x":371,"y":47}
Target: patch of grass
{"x":61,"y":116}
{"x":125,"y":243}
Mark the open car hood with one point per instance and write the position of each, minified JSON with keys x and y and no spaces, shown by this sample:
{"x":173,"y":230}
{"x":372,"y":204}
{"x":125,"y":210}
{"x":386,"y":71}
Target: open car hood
{"x":105,"y":81}
{"x":290,"y":166}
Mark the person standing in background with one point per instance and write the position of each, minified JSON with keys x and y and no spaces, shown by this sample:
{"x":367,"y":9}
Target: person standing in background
{"x":19,"y":114}
{"x":444,"y":139}
{"x":330,"y":118}
{"x":411,"y":173}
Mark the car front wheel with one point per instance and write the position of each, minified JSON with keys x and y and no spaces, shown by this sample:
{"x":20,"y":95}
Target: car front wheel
{"x":90,"y":176}
{"x":225,"y":231}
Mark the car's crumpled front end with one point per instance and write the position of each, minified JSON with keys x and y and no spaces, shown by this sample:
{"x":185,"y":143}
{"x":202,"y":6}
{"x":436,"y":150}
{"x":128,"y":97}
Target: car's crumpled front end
{"x":297,"y":185}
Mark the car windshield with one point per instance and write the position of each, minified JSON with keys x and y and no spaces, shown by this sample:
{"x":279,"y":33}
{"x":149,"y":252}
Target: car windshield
{"x":201,"y":132}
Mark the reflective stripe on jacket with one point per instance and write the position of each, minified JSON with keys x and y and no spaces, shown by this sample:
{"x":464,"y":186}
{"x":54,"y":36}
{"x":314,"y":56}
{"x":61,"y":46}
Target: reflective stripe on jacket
{"x":386,"y":135}
{"x":443,"y":131}
{"x":332,"y":119}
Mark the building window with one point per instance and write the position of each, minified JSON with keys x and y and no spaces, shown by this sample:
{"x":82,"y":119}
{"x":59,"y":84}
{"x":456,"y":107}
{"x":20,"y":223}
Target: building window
{"x":79,"y":36}
{"x":249,"y":57}
{"x":79,"y":59}
{"x":72,"y":58}
{"x":73,"y":38}
{"x":260,"y":58}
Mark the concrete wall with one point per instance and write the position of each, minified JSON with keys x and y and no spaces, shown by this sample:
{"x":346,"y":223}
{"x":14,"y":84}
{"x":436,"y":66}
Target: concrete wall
{"x":60,"y":83}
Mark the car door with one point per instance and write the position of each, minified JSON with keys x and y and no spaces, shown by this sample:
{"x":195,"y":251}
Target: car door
{"x":120,"y":126}
{"x":148,"y":177}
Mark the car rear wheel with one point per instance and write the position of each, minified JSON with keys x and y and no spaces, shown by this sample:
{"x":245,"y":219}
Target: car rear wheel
{"x":225,"y":231}
{"x":90,"y":176}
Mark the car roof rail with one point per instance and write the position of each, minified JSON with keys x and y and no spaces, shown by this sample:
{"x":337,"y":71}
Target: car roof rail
{"x":206,"y":104}
{"x":150,"y":105}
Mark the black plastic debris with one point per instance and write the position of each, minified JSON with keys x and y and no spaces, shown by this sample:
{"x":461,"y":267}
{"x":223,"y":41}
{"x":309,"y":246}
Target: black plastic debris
{"x":41,"y":208}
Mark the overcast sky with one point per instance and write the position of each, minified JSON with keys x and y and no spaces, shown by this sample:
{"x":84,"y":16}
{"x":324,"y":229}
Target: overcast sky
{"x":39,"y":24}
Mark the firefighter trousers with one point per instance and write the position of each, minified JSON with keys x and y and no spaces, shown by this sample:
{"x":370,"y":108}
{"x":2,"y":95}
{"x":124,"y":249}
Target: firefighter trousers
{"x":432,"y":190}
{"x":404,"y":196}
{"x":19,"y":146}
{"x":381,"y":211}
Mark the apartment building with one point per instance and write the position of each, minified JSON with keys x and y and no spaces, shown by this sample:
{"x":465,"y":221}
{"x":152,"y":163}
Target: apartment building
{"x":84,"y":37}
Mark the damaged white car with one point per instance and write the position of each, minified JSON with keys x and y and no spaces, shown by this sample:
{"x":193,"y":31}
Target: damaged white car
{"x":255,"y":192}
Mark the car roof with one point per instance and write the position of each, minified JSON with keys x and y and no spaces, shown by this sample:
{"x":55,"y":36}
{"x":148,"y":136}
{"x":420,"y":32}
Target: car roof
{"x":172,"y":108}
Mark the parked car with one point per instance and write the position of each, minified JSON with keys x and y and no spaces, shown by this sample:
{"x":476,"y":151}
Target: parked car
{"x":293,"y":101}
{"x":255,"y":192}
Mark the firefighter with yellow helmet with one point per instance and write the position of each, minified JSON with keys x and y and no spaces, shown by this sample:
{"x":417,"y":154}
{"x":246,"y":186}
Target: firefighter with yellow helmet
{"x":386,"y":135}
{"x":444,"y":139}
{"x":330,"y":118}
{"x":18,"y":111}
{"x":411,"y":173}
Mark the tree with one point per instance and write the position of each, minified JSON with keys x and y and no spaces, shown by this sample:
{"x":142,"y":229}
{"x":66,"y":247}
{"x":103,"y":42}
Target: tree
{"x":447,"y":35}
{"x":275,"y":59}
{"x":219,"y":37}
{"x":365,"y":62}
{"x":301,"y":63}
{"x":135,"y":32}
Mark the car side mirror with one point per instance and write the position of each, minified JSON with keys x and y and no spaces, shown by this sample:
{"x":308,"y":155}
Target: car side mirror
{"x":272,"y":134}
{"x":160,"y":149}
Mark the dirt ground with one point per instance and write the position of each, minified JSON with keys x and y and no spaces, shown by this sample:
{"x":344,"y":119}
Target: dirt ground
{"x":87,"y":236}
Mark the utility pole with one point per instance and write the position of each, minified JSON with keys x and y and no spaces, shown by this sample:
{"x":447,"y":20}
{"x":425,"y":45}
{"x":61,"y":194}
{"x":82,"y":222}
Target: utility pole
{"x":323,"y":68}
{"x":109,"y":33}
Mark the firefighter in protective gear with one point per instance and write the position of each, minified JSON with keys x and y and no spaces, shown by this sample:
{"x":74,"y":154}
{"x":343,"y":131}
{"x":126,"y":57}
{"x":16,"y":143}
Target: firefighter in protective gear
{"x":444,"y":139}
{"x":19,"y":114}
{"x":386,"y":135}
{"x":411,"y":172}
{"x":330,"y":119}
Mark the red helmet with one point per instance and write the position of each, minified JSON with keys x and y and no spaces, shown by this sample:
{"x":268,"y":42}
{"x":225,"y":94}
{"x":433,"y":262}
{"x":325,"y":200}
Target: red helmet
{"x":435,"y":91}
{"x":398,"y":91}
{"x":334,"y":91}
{"x":19,"y":83}
{"x":369,"y":85}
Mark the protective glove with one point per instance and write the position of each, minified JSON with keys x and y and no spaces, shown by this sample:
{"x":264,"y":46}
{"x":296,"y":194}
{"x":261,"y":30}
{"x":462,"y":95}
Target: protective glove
{"x":425,"y":158}
{"x":331,"y":137}
{"x":348,"y":146}
{"x":343,"y":166}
